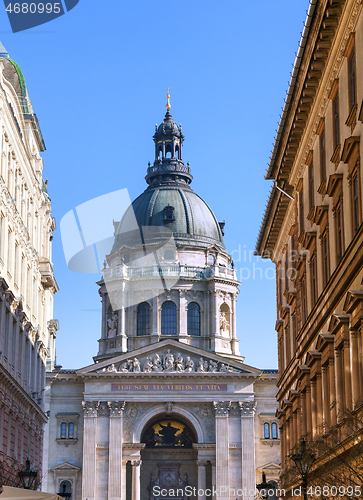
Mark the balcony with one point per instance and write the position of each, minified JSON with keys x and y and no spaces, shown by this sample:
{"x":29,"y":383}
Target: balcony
{"x":201,"y":273}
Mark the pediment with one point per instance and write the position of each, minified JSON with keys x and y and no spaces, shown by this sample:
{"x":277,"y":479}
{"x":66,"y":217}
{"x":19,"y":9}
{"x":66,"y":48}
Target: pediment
{"x":65,"y":467}
{"x":169,"y":357}
{"x":271,"y":466}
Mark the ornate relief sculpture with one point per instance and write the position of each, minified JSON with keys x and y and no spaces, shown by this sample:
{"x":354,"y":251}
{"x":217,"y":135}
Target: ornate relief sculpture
{"x":169,"y":363}
{"x":189,"y":365}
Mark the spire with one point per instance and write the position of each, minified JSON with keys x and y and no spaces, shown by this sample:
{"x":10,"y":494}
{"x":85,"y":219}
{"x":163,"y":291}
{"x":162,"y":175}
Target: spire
{"x":167,"y":98}
{"x":3,"y":51}
{"x":168,"y":165}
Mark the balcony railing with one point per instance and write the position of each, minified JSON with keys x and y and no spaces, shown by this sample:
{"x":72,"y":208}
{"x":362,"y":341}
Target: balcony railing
{"x":123,"y":271}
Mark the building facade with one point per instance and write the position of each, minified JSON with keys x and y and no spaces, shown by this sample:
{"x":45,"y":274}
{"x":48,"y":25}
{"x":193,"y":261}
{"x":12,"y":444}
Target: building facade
{"x":312,"y":230}
{"x":27,"y":285}
{"x":169,"y":402}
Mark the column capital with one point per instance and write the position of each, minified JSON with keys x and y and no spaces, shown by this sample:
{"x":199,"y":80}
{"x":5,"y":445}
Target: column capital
{"x":90,"y":408}
{"x":221,"y":408}
{"x":136,"y":463}
{"x":116,"y":408}
{"x":248,"y":408}
{"x":202,"y":463}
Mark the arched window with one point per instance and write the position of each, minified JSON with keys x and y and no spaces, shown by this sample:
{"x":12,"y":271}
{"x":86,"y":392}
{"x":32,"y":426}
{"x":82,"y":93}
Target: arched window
{"x":274,"y":431}
{"x":63,"y":430}
{"x":71,"y":430}
{"x":65,"y":487}
{"x":168,"y":318}
{"x":266,"y":431}
{"x":193,"y":316}
{"x":144,"y":319}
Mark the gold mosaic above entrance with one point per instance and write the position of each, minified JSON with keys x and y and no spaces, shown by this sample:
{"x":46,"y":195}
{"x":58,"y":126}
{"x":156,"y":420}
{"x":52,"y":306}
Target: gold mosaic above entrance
{"x":168,"y":433}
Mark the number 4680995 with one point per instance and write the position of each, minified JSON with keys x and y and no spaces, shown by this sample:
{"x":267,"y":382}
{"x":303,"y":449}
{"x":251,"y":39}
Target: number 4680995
{"x":33,"y":8}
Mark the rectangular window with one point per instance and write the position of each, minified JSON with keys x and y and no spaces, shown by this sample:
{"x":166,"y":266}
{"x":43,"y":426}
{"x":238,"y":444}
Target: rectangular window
{"x":352,"y":79}
{"x":325,"y":255}
{"x":314,"y":292}
{"x":311,"y":184}
{"x":322,"y":155}
{"x":301,"y":210}
{"x":355,"y":202}
{"x":339,"y":232}
{"x":336,"y":129}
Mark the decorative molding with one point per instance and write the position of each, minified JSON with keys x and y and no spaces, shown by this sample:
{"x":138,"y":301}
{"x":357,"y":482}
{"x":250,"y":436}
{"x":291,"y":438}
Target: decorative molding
{"x":248,"y":408}
{"x":221,"y":408}
{"x":116,"y":408}
{"x":90,"y":408}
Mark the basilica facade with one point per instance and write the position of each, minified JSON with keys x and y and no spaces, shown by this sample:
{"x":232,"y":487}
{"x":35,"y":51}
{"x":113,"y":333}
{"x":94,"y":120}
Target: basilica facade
{"x":169,"y":408}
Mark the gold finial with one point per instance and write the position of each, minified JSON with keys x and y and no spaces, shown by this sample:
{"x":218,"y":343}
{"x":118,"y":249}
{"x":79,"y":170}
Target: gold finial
{"x":168,"y":102}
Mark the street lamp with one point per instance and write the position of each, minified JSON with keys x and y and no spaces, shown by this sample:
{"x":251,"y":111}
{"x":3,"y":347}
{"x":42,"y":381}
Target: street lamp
{"x":303,"y":462}
{"x":28,"y":476}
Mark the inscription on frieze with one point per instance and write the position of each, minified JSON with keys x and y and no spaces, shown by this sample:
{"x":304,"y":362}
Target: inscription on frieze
{"x":169,"y":387}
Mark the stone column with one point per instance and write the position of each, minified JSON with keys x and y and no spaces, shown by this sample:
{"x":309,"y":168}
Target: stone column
{"x":89,"y":450}
{"x":183,"y":332}
{"x":332,"y":393}
{"x":319,"y":402}
{"x":347,"y":376}
{"x":123,"y":479}
{"x":355,"y":365}
{"x":222,"y":448}
{"x":135,"y":479}
{"x":202,"y":479}
{"x":339,"y":382}
{"x":122,"y":327}
{"x":303,"y":413}
{"x":313,"y":406}
{"x":326,"y":395}
{"x":115,"y":450}
{"x":155,"y":317}
{"x":213,"y":463}
{"x":248,"y":409}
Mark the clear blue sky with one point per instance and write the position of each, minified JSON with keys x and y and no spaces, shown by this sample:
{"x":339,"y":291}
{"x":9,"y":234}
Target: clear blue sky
{"x":97,"y":78}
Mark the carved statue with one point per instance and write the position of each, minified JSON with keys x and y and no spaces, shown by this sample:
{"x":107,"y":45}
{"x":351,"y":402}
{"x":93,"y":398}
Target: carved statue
{"x":148,"y":366}
{"x":179,"y":363}
{"x":224,"y":324}
{"x":200,"y":368}
{"x":189,"y":365}
{"x":112,"y":368}
{"x":223,"y":368}
{"x":112,"y":325}
{"x":213,"y":366}
{"x":123,"y":367}
{"x":137,"y":367}
{"x":168,"y":361}
{"x":157,"y":366}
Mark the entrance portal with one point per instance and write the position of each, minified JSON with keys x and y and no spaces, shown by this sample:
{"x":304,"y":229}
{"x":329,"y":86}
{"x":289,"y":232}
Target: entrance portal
{"x":168,"y":459}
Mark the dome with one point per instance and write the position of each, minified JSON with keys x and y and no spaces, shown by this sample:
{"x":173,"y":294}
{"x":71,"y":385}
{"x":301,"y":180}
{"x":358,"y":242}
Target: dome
{"x":180,"y":210}
{"x":168,"y":126}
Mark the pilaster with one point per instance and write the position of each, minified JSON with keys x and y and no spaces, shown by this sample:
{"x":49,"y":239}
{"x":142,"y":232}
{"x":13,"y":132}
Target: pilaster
{"x":221,"y":409}
{"x":89,"y":449}
{"x":248,"y":409}
{"x":115,"y":450}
